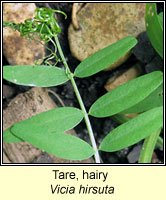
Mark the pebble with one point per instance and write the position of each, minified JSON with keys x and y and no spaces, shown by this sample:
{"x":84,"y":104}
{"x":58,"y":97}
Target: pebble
{"x":133,"y":156}
{"x":16,"y":49}
{"x":102,"y":24}
{"x":8,"y":91}
{"x":128,"y":75}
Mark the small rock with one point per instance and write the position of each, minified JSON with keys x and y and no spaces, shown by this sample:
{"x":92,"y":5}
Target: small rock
{"x":43,"y":158}
{"x":118,"y":80}
{"x":143,"y":51}
{"x":102,"y":24}
{"x":7,"y":91}
{"x":16,"y":49}
{"x":156,"y":64}
{"x":155,"y":158}
{"x":133,"y":156}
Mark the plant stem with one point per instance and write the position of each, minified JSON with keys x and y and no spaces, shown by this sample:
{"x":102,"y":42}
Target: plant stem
{"x":148,"y":147}
{"x":86,"y":118}
{"x":159,"y":143}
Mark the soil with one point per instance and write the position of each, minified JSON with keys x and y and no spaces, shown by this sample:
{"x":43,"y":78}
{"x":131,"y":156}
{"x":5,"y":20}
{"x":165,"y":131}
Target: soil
{"x":92,"y":88}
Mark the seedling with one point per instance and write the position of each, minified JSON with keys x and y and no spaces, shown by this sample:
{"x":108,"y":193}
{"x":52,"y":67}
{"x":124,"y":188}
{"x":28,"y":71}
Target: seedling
{"x":46,"y":130}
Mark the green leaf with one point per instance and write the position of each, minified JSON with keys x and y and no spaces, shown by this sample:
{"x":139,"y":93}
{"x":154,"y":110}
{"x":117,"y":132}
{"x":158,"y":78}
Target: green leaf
{"x":105,"y":57}
{"x":160,"y":17}
{"x":133,"y":131}
{"x":155,"y":99}
{"x":9,"y":137}
{"x":59,"y":144}
{"x":154,"y":27}
{"x":126,"y":95}
{"x":37,"y":75}
{"x":52,"y":121}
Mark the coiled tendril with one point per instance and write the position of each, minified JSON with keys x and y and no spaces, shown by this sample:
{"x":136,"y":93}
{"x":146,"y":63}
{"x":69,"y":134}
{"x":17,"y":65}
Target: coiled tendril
{"x":43,"y":25}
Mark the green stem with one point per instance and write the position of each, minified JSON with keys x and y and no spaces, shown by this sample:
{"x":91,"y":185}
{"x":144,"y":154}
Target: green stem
{"x":148,"y":147}
{"x":86,"y":118}
{"x":159,"y":143}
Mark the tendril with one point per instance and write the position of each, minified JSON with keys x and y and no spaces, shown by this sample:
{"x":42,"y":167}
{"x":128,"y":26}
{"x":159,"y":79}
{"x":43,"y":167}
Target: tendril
{"x":43,"y":25}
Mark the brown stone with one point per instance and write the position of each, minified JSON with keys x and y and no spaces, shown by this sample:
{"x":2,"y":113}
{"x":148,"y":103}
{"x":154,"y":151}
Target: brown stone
{"x":102,"y":24}
{"x":16,"y":49}
{"x":22,"y":107}
{"x":128,"y":75}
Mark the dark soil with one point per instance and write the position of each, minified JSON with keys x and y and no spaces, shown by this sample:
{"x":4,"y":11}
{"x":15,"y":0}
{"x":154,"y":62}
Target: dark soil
{"x":92,"y":88}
